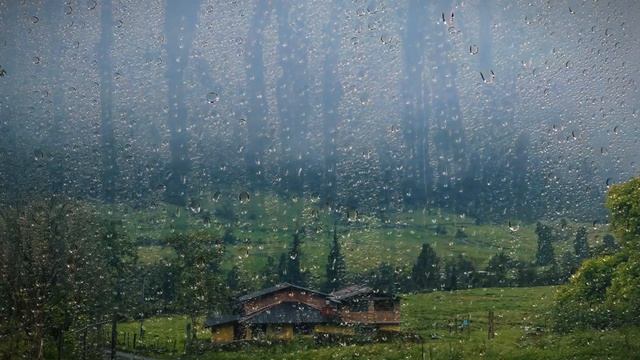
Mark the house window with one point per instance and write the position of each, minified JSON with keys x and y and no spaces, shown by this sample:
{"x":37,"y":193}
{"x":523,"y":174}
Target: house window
{"x":383,"y":305}
{"x":360,"y":305}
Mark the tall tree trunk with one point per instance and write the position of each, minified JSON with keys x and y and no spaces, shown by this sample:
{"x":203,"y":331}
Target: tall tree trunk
{"x":256,"y":92}
{"x":331,"y":95}
{"x":417,"y":179}
{"x":110,"y":169}
{"x":292,"y":97}
{"x":449,"y":139}
{"x":181,"y":19}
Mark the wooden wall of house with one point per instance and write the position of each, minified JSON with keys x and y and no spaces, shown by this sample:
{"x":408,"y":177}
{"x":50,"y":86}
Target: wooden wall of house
{"x":222,"y":334}
{"x":285,"y":295}
{"x":371,"y":316}
{"x":280,"y":331}
{"x":334,"y":329}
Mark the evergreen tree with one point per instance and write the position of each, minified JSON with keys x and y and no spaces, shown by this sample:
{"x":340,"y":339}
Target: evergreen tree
{"x":609,"y":243}
{"x":293,"y":273}
{"x":233,"y":280}
{"x":336,"y":267}
{"x":465,"y":271}
{"x":282,"y":268}
{"x":499,"y":266}
{"x":385,"y":279}
{"x":271,"y":274}
{"x":568,"y":265}
{"x":544,"y":255}
{"x":451,"y":275}
{"x":580,"y":245}
{"x":425,"y":274}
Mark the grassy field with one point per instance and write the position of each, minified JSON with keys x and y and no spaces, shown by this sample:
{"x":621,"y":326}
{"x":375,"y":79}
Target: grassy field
{"x":263,"y":227}
{"x":521,"y":332}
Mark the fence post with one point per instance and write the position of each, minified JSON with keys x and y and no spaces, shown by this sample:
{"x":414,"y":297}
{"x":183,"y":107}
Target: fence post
{"x":491,"y":330}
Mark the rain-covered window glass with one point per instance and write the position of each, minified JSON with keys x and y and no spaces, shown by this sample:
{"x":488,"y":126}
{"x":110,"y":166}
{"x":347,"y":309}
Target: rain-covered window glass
{"x":301,"y":179}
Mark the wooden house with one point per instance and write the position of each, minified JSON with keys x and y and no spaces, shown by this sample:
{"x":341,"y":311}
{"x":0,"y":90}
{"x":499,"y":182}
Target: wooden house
{"x":285,"y":310}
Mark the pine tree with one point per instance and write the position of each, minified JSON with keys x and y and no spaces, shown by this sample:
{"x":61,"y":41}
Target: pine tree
{"x":465,"y":271}
{"x":451,"y":275}
{"x":499,"y":267}
{"x":580,"y":245}
{"x":294,"y":274}
{"x":545,"y":254}
{"x":282,"y":268}
{"x":233,"y":280}
{"x":609,"y":243}
{"x":425,"y":274}
{"x":336,"y":267}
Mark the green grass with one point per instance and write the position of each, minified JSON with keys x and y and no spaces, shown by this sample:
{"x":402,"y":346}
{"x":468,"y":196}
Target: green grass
{"x":264,"y":225}
{"x":163,"y":333}
{"x":517,"y":311}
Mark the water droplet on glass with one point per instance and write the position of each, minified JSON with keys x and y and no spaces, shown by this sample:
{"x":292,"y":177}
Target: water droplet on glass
{"x":473,"y":49}
{"x":36,"y":60}
{"x":92,"y":4}
{"x":352,"y":215}
{"x":216,"y":196}
{"x":212,"y":97}
{"x":68,"y":10}
{"x":35,"y":19}
{"x":38,"y":155}
{"x":244,"y":197}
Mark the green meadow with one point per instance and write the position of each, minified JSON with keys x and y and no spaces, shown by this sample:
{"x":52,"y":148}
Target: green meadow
{"x":521,"y":331}
{"x":262,"y":227}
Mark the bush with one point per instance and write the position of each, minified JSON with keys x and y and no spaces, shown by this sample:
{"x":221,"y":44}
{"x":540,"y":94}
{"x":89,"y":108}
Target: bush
{"x":582,"y":303}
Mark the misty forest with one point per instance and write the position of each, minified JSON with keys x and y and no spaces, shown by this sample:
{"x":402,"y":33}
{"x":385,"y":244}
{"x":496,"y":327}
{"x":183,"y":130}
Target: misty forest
{"x":468,"y":169}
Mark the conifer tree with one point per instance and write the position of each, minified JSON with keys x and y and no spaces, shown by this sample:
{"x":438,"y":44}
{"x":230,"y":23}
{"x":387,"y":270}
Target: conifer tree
{"x":580,"y":245}
{"x":545,"y":254}
{"x":425,"y":274}
{"x":293,"y":274}
{"x":336,"y":267}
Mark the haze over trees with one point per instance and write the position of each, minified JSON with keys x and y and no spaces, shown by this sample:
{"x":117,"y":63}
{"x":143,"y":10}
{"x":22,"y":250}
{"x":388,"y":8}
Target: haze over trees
{"x":385,"y":120}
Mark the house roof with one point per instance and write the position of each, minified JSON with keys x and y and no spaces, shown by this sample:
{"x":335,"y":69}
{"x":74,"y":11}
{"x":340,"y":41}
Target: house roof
{"x":350,"y":291}
{"x":357,"y":290}
{"x":288,"y":313}
{"x":275,"y":288}
{"x":220,"y":320}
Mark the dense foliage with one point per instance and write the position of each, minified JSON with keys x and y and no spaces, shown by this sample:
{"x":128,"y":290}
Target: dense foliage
{"x":605,"y":291}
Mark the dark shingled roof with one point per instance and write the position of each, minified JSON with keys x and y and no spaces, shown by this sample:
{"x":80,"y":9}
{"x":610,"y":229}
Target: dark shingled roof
{"x":275,"y":288}
{"x":350,"y":291}
{"x":220,"y":320}
{"x":288,"y":313}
